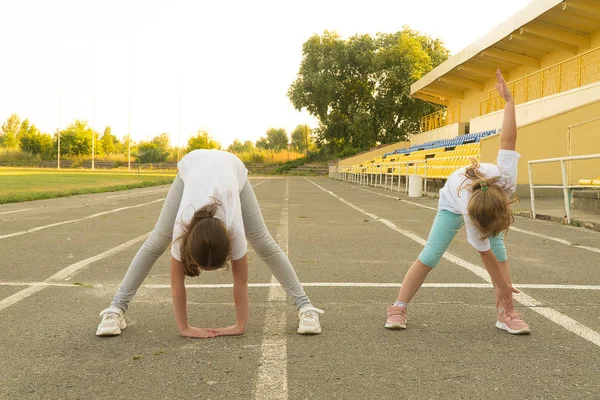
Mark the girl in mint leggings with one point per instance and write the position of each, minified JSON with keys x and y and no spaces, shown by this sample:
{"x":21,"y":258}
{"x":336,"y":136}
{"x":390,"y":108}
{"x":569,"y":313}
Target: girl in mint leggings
{"x":477,"y":197}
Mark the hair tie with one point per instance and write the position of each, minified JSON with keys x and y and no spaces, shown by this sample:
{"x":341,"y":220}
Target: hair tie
{"x":483,"y":185}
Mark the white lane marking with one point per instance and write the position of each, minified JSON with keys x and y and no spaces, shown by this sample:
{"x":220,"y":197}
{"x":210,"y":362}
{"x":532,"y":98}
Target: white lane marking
{"x":325,"y":284}
{"x":259,"y":183}
{"x":15,"y":211}
{"x":39,"y":228}
{"x":53,"y":284}
{"x":272,"y":370}
{"x":526,"y":232}
{"x":397,"y":198}
{"x":378,"y":285}
{"x":528,"y":301}
{"x":20,"y":295}
{"x":137,"y":193}
{"x":66,"y":273}
{"x":563,"y":241}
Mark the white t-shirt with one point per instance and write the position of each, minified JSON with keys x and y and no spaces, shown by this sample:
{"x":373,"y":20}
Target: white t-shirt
{"x":458,"y":203}
{"x":218,"y":174}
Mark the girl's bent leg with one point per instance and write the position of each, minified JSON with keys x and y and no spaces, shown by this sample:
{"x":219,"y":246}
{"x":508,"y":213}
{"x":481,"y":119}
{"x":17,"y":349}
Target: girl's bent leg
{"x":444,"y":229}
{"x":153,"y":247}
{"x":268,"y":250}
{"x":413,"y":280}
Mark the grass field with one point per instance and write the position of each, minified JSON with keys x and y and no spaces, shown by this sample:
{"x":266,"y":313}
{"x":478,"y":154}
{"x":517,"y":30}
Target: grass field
{"x":18,"y":184}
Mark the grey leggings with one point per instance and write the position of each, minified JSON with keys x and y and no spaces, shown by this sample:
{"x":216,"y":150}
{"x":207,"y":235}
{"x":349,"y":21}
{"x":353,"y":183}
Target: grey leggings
{"x":256,"y":232}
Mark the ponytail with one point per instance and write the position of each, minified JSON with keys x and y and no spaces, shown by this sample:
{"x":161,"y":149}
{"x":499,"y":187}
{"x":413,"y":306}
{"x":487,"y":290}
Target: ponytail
{"x":205,"y":243}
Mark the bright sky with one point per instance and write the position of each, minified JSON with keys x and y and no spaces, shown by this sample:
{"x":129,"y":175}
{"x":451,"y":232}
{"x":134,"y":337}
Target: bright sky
{"x":235,"y":59}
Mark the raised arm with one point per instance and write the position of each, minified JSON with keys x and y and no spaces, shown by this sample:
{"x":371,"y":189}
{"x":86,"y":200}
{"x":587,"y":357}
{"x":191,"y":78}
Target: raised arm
{"x":508,"y":136}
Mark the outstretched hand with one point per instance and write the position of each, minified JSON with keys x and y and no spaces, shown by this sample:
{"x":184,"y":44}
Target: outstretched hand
{"x":199,"y":333}
{"x":504,"y":297}
{"x":502,"y":88}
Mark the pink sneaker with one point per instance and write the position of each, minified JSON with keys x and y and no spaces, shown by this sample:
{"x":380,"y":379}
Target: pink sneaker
{"x":396,"y":318}
{"x":512,"y":322}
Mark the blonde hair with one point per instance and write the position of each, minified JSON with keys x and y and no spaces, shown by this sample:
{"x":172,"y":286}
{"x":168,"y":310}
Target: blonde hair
{"x":489,"y":205}
{"x":205,"y":243}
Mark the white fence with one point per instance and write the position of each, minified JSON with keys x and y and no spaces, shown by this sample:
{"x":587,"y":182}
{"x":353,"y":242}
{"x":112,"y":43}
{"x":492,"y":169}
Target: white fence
{"x":565,"y":182}
{"x":379,"y":174}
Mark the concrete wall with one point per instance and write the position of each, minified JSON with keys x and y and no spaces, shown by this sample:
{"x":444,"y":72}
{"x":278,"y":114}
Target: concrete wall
{"x":445,"y":132}
{"x":369,"y":155}
{"x":548,"y":138}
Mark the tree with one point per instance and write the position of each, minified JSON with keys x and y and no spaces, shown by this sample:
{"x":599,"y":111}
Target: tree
{"x":29,"y":138}
{"x":302,"y":140}
{"x":202,"y":140}
{"x":275,"y":140}
{"x":238,"y":147}
{"x":359,"y":88}
{"x":10,"y":130}
{"x":76,"y":139}
{"x":154,"y":151}
{"x":110,"y":143}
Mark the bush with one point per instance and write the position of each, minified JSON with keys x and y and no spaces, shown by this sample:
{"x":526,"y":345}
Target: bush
{"x":268,"y":157}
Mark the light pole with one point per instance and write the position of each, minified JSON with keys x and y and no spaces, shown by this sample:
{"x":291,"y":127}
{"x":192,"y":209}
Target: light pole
{"x":178,"y":118}
{"x":129,"y":129}
{"x":58,"y":130}
{"x":94,"y":116}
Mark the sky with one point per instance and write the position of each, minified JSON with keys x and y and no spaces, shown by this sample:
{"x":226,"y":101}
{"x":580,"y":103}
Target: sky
{"x":223,"y":66}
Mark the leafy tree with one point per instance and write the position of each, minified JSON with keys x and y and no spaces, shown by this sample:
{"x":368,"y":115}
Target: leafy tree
{"x":110,"y":143}
{"x":154,"y":151}
{"x":238,"y":147}
{"x":275,"y":140}
{"x":202,"y":140}
{"x":76,"y":139}
{"x":359,"y":88}
{"x":302,"y":140}
{"x":32,"y":141}
{"x":10,"y":130}
{"x":262,"y":143}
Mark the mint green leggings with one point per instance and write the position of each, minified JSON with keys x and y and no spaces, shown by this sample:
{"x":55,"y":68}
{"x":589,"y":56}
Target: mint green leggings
{"x":444,"y":229}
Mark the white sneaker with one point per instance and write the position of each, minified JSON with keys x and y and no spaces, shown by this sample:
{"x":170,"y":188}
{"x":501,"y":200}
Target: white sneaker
{"x":113,"y":321}
{"x":309,"y":320}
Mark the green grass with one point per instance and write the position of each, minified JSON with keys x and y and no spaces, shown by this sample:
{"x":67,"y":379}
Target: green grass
{"x":20,"y":184}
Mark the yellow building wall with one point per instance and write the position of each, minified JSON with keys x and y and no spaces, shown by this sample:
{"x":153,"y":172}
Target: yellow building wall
{"x":470,"y":105}
{"x":369,"y":155}
{"x":549,"y":139}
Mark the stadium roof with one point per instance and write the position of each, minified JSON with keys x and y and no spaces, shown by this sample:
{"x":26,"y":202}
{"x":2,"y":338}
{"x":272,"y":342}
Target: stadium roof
{"x":541,"y":27}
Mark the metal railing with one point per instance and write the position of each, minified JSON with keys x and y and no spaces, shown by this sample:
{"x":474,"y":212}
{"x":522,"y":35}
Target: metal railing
{"x":565,"y":182}
{"x":438,"y":119}
{"x":377,"y":174}
{"x":575,"y":72}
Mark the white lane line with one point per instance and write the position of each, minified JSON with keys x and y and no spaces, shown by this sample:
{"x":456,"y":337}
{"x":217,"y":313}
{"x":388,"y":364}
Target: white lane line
{"x":259,"y":183}
{"x":563,"y":241}
{"x":53,"y":284}
{"x":15,"y":211}
{"x":39,"y":228}
{"x":66,"y":273}
{"x":513,"y":228}
{"x":528,"y":301}
{"x":325,"y":284}
{"x":397,"y":198}
{"x":272,"y":371}
{"x":137,"y":193}
{"x":376,"y":285}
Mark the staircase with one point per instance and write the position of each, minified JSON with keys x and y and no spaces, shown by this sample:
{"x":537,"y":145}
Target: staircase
{"x":312,"y":168}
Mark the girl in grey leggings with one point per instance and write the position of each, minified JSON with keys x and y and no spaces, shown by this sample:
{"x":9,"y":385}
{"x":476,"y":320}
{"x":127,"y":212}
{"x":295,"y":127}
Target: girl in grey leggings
{"x":155,"y":245}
